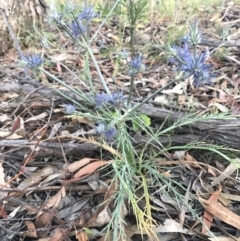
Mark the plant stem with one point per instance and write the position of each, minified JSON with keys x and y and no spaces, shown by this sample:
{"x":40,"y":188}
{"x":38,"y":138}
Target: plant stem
{"x":130,"y":89}
{"x":104,"y":21}
{"x":132,"y":23}
{"x":65,"y":85}
{"x":129,"y":112}
{"x":96,"y":66}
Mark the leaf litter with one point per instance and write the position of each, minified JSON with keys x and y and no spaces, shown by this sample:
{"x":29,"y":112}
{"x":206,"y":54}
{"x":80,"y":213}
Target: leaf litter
{"x":54,"y":189}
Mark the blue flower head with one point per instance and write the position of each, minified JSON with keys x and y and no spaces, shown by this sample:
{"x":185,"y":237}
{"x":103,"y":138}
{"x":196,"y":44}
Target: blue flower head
{"x":196,"y":67}
{"x":136,"y":64}
{"x":192,"y":65}
{"x":69,"y":109}
{"x":56,"y":17}
{"x":77,"y":29}
{"x":87,"y":13}
{"x":70,"y":6}
{"x":181,"y":54}
{"x":32,"y":61}
{"x":117,"y":98}
{"x":104,"y":99}
{"x":110,"y":134}
{"x":100,"y":128}
{"x":123,"y":54}
{"x":106,"y":132}
{"x":194,"y":36}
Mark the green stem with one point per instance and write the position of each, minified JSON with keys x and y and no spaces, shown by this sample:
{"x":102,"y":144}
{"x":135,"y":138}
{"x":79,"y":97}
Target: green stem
{"x":130,"y":89}
{"x":132,"y":22}
{"x":96,"y":66}
{"x":86,"y":45}
{"x":65,"y":85}
{"x":129,"y":112}
{"x":104,"y":21}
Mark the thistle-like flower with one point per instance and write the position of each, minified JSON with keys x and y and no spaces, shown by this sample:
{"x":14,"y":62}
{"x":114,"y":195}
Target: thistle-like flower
{"x":180,"y":55}
{"x":192,"y":65}
{"x":56,"y":17}
{"x":104,"y":99}
{"x":32,"y":61}
{"x":70,"y":6}
{"x":77,"y":29}
{"x":107,"y":133}
{"x":123,"y":54}
{"x":194,"y":36}
{"x":117,"y":98}
{"x":45,"y":43}
{"x":87,"y":13}
{"x":69,"y":109}
{"x":136,"y":64}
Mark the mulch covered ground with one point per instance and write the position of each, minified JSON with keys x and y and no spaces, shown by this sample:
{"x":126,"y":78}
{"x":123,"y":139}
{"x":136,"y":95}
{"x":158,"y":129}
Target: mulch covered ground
{"x":51,"y":185}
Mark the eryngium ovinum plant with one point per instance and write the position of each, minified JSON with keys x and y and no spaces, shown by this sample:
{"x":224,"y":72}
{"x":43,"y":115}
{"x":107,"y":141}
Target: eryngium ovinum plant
{"x":111,"y":111}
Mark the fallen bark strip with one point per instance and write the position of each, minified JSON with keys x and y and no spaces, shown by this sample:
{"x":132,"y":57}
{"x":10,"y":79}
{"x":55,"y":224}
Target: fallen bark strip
{"x":223,"y":132}
{"x":52,"y":148}
{"x":217,"y":43}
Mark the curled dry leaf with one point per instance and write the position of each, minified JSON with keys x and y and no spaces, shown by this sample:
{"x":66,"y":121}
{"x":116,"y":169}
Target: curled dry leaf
{"x":9,"y":136}
{"x":207,"y":216}
{"x":102,"y":214}
{"x":232,"y":167}
{"x":224,"y":239}
{"x":37,"y":117}
{"x":91,"y":168}
{"x":221,"y":212}
{"x":104,"y":217}
{"x":55,"y":200}
{"x":59,"y":235}
{"x":171,"y":226}
{"x":78,"y":164}
{"x":36,"y":177}
{"x":4,"y":118}
{"x":43,"y":223}
{"x":31,"y":230}
{"x":81,"y":236}
{"x":16,"y":124}
{"x":2,"y":184}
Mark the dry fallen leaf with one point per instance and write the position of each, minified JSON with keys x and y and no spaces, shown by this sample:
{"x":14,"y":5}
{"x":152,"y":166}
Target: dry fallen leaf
{"x":36,"y":177}
{"x":172,"y":226}
{"x":81,"y":236}
{"x":78,"y":164}
{"x":232,"y":167}
{"x":59,"y":235}
{"x":31,"y":230}
{"x":2,"y":186}
{"x":55,"y":200}
{"x":207,"y":216}
{"x":43,"y":221}
{"x":9,"y":136}
{"x":104,"y":217}
{"x":37,"y":117}
{"x":91,"y":168}
{"x":96,"y":220}
{"x":230,"y":196}
{"x":4,"y":118}
{"x":224,"y":239}
{"x":221,"y":212}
